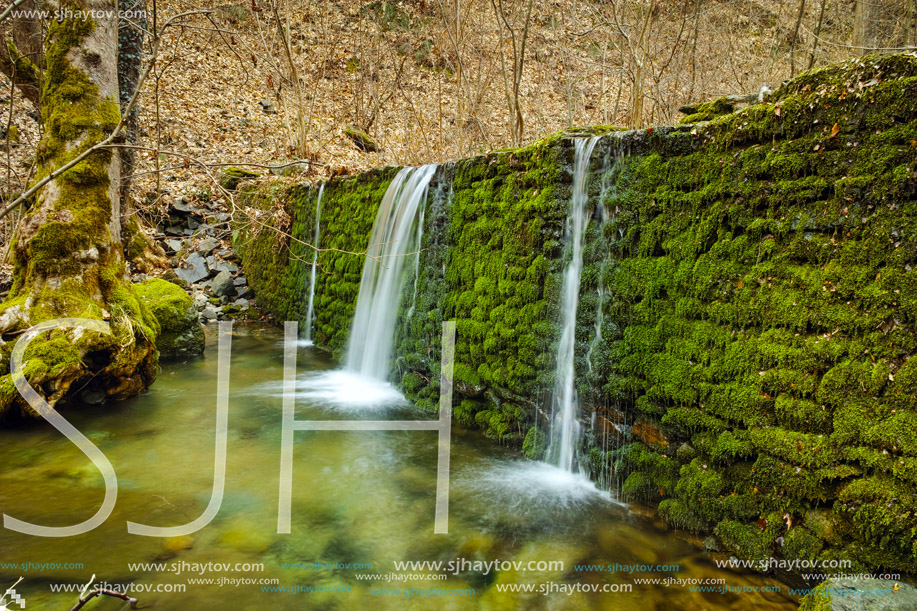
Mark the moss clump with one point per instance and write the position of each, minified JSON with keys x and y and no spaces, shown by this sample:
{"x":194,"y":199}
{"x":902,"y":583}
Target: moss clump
{"x":232,"y":176}
{"x":707,"y":110}
{"x":534,"y":444}
{"x":181,"y":335}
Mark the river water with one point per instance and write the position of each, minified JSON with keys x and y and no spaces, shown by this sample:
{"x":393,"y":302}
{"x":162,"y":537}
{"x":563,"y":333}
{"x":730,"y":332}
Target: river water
{"x":361,"y":502}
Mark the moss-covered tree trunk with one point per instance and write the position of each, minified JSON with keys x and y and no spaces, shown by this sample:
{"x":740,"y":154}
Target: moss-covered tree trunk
{"x":69,"y":260}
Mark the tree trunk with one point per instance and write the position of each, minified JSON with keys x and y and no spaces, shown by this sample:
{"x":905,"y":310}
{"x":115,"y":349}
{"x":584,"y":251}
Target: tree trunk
{"x":68,"y":258}
{"x":866,"y":26}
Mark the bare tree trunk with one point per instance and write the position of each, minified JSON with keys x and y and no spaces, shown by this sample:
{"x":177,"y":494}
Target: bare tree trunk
{"x":912,"y":24}
{"x":68,"y":257}
{"x":821,"y":21}
{"x":802,"y":10}
{"x":866,"y":26}
{"x":130,"y":56}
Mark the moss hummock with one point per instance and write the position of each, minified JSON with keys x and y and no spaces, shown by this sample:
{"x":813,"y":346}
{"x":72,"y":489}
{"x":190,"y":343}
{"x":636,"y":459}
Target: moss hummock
{"x":181,"y":334}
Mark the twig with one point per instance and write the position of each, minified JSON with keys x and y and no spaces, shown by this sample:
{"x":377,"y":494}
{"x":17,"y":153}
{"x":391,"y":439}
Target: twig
{"x":103,"y":592}
{"x":9,"y":9}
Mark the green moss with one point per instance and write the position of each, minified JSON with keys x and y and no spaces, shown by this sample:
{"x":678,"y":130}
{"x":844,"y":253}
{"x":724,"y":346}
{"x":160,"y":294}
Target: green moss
{"x":180,"y":334}
{"x":361,"y":139}
{"x":533,"y":447}
{"x":232,"y":176}
{"x":707,"y":110}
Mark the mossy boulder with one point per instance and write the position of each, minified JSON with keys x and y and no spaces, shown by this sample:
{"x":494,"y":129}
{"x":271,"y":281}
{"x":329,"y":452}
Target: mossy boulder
{"x":181,"y":335}
{"x":361,"y":139}
{"x":232,"y":176}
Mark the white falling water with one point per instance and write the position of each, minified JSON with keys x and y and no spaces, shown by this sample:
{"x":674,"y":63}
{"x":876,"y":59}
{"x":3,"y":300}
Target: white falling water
{"x":395,"y":235}
{"x":310,"y":310}
{"x":565,"y":429}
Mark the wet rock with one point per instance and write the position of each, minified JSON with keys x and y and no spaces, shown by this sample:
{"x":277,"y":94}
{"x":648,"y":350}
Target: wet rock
{"x":193,"y":270}
{"x":222,"y":285}
{"x":649,"y":434}
{"x":93,"y":397}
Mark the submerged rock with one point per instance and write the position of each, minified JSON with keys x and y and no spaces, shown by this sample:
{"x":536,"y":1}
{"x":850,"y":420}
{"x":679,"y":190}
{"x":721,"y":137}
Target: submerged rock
{"x":848,"y":594}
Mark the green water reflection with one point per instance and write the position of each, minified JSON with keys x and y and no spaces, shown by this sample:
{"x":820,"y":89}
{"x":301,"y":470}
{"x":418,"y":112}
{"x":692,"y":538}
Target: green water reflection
{"x":358,"y":497}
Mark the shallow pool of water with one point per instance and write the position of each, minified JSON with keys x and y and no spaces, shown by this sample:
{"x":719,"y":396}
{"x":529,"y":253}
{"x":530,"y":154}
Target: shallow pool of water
{"x":361,"y":502}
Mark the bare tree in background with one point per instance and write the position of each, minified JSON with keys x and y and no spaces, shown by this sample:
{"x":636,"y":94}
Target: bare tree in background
{"x":512,"y":81}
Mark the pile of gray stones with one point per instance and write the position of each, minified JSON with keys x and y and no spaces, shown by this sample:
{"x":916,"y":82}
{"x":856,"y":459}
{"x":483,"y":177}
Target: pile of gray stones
{"x":196,"y":236}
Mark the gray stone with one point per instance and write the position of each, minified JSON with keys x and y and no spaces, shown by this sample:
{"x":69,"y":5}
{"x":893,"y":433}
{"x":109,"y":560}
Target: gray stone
{"x":209,"y":313}
{"x":207,"y":245}
{"x":241,"y":303}
{"x":193,"y":269}
{"x":240,"y":281}
{"x":181,"y":206}
{"x":175,"y":245}
{"x":846,"y":594}
{"x":245,"y":291}
{"x":223,"y":266}
{"x":222,"y":285}
{"x":200,"y":300}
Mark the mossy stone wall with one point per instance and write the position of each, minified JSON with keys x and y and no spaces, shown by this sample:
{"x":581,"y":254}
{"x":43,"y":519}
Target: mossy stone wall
{"x":746,"y":319}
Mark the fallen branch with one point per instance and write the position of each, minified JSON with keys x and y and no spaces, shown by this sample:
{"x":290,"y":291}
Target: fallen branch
{"x":103,"y":592}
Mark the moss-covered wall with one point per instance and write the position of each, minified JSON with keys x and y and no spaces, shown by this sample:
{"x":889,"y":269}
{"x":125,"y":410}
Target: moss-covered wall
{"x":747,"y":309}
{"x":765,"y":284}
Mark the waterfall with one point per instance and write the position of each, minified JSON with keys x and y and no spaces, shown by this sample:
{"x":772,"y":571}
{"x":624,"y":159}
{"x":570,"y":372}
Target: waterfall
{"x":310,"y":310}
{"x":395,"y":234}
{"x":416,"y":264}
{"x":565,"y":429}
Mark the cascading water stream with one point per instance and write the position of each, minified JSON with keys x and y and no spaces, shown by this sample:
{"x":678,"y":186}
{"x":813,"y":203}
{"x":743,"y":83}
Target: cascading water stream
{"x":565,"y":429}
{"x":310,"y":310}
{"x":395,"y":234}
